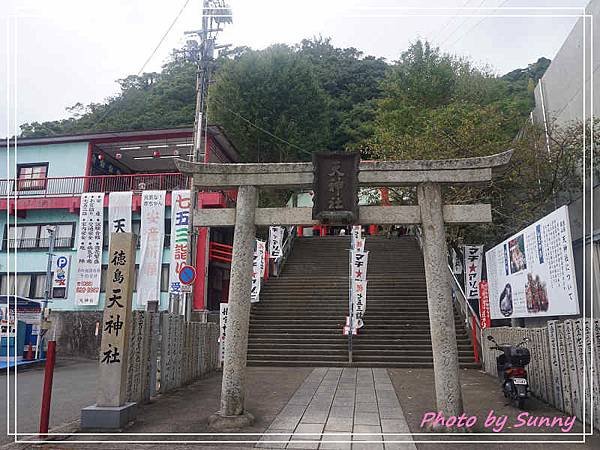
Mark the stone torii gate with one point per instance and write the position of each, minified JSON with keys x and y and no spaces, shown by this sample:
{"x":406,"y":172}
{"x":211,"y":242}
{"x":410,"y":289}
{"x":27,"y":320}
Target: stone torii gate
{"x":430,"y":212}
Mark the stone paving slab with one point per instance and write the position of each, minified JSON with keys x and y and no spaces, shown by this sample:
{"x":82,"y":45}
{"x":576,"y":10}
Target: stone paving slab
{"x":335,"y":403}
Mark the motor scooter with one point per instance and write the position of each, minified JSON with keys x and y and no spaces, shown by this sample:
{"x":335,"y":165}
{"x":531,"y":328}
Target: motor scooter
{"x":511,"y":371}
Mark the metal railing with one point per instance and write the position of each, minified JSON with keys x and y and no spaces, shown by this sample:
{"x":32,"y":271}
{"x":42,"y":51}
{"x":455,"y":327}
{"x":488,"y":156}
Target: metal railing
{"x":470,"y":317}
{"x":41,"y":243}
{"x":69,"y":186}
{"x":286,"y":249}
{"x":464,"y":308}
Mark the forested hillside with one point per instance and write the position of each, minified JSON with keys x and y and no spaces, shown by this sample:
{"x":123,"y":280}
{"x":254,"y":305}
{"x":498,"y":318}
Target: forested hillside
{"x":282,"y":103}
{"x":312,"y":95}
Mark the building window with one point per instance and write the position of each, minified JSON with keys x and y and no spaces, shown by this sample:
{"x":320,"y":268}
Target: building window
{"x":38,"y":284}
{"x":33,"y":236}
{"x":28,"y":285}
{"x":32,"y":177}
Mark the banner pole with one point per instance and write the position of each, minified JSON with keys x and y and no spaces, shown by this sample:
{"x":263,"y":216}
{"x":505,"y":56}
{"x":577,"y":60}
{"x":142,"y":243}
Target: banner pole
{"x":350,"y":311}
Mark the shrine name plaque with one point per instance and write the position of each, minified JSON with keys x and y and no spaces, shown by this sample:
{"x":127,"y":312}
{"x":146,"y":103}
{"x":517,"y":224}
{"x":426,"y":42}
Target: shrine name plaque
{"x":335,"y":187}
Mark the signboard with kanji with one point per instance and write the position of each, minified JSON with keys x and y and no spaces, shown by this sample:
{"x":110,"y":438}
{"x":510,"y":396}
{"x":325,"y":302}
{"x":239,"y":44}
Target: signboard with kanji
{"x":532,"y":273}
{"x":112,"y":380}
{"x":336,"y":187}
{"x":484,"y":305}
{"x":473,"y":257}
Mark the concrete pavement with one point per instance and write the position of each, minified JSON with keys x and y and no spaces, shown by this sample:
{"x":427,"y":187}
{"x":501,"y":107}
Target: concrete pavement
{"x":338,"y":402}
{"x":74,"y":387}
{"x":330,"y":400}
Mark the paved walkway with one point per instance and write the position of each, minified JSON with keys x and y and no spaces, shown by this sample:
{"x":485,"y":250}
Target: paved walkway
{"x":334,"y":405}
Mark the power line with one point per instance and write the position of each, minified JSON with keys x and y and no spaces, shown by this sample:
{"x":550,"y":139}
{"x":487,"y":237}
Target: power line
{"x":262,"y":129}
{"x":462,"y":22}
{"x":166,"y":33}
{"x":476,"y":25}
{"x":443,"y":28}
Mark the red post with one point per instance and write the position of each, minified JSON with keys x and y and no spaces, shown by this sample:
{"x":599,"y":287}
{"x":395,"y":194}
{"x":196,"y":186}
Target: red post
{"x":300,"y":230}
{"x":47,"y":392}
{"x":29,"y":355}
{"x":474,"y":339}
{"x":372,"y":230}
{"x":202,"y":248}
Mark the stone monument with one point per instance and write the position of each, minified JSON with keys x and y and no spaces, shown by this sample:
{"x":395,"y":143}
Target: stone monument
{"x":112,"y":411}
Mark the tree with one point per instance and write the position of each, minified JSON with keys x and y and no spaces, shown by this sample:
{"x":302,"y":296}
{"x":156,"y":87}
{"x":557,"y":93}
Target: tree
{"x":352,"y":81}
{"x":277,"y":90}
{"x":437,"y":106}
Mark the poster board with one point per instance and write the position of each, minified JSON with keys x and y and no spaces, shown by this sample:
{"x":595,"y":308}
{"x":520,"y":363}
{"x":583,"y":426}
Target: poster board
{"x":532,"y":273}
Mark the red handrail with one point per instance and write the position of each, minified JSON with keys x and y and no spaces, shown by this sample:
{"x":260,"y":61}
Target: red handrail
{"x":220,"y":252}
{"x":74,"y":185}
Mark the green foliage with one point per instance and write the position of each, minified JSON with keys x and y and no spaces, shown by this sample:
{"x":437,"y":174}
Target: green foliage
{"x":352,"y":82}
{"x":277,"y":90}
{"x":436,"y":106}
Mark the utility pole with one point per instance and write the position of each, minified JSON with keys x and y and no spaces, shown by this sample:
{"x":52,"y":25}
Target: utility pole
{"x":48,"y":291}
{"x":215,"y":13}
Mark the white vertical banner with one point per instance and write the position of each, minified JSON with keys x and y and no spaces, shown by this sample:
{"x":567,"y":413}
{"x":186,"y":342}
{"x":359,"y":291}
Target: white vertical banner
{"x":181,"y":202}
{"x":224,"y":313}
{"x":257,"y":271}
{"x":473,"y":258}
{"x":89,"y":249}
{"x":261,"y":248}
{"x":119,"y":213}
{"x":456,"y":263}
{"x":355,"y":234}
{"x":359,"y":301}
{"x":359,"y":245}
{"x":275,"y":242}
{"x":359,"y":264}
{"x":358,"y":285}
{"x":152,"y":234}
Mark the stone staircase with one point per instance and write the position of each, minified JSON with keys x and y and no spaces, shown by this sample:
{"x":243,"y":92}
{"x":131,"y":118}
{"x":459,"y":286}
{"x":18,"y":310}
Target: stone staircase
{"x":299,"y":319}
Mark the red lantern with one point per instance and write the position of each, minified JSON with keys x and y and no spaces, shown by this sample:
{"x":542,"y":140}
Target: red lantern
{"x":100,"y":156}
{"x":118,"y":156}
{"x":156,"y":154}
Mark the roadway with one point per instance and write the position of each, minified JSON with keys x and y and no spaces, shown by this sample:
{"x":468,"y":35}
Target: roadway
{"x":74,"y":387}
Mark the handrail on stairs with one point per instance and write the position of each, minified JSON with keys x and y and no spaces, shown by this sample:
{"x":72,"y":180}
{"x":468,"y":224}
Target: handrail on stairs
{"x":286,"y":249}
{"x":465,"y":309}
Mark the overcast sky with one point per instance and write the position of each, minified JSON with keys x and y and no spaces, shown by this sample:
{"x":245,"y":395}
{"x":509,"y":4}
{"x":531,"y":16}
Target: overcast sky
{"x":60,"y":52}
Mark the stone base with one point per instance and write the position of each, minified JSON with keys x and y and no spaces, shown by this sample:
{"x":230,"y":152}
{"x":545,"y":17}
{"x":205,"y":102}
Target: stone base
{"x":220,"y":423}
{"x":107,"y":417}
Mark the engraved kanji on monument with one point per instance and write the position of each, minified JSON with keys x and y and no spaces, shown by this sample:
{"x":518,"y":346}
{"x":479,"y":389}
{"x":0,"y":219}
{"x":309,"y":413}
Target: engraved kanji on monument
{"x":117,"y":321}
{"x":335,"y":187}
{"x":112,"y":410}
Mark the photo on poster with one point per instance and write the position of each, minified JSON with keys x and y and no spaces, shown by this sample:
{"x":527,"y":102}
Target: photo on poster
{"x":506,"y":301}
{"x":516,"y":250}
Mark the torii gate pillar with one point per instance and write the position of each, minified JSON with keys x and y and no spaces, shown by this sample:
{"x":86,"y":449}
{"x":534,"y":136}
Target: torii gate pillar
{"x":439,"y":298}
{"x":232,"y":414}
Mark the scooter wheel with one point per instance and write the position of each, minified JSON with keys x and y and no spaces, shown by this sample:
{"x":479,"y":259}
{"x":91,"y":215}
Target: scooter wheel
{"x":521,"y":403}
